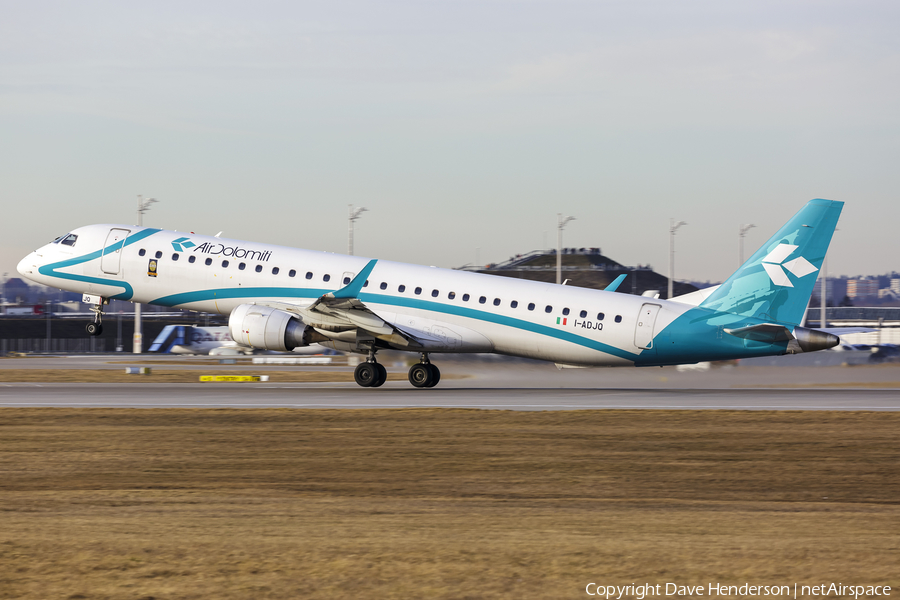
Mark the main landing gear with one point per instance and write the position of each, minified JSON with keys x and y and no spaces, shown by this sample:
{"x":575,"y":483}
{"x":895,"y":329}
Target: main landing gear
{"x":424,"y":374}
{"x":96,"y":328}
{"x":370,"y":373}
{"x":373,"y":374}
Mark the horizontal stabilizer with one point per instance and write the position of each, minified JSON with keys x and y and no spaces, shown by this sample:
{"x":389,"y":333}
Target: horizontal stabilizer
{"x":765,"y":332}
{"x":800,"y":339}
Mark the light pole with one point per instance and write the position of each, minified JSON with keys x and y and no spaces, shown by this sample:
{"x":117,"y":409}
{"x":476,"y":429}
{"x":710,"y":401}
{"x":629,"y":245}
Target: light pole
{"x":673,"y":226}
{"x":354,"y":215}
{"x":823,"y":292}
{"x":49,"y":308}
{"x":138,"y":339}
{"x":742,"y":231}
{"x":559,"y":229}
{"x":822,"y":321}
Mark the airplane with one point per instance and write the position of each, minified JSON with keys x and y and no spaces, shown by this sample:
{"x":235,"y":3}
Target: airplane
{"x":280,"y":298}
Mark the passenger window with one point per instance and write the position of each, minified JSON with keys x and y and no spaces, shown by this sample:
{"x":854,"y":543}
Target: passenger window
{"x":259,"y":268}
{"x":548,"y":309}
{"x":496,"y":301}
{"x":482,"y":300}
{"x":451,"y":295}
{"x":309,"y":274}
{"x":434,"y":293}
{"x":531,"y":306}
{"x":158,"y":253}
{"x":191,"y":259}
{"x":326,"y":278}
{"x":418,"y":291}
{"x":224,"y":264}
{"x":366,"y":284}
{"x":565,"y":311}
{"x":275,"y":270}
{"x":208,"y":262}
{"x":383,"y":285}
{"x":242,"y":266}
{"x":401,"y":288}
{"x":346,"y":280}
{"x":175,"y":257}
{"x":466,"y":297}
{"x":292,"y":273}
{"x":582,"y":314}
{"x":142,"y":252}
{"x":618,"y":318}
{"x":514,"y":304}
{"x":600,"y":316}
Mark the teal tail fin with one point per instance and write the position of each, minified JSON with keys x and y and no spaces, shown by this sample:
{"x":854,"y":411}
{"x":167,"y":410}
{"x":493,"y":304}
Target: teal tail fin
{"x":777,"y":281}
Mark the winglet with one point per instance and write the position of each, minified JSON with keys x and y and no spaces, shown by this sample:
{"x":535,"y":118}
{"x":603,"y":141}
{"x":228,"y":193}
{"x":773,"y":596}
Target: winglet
{"x":615,"y":284}
{"x":352,"y":289}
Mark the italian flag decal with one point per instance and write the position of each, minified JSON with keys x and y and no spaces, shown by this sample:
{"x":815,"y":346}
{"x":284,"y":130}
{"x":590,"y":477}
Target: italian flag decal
{"x":561,"y":320}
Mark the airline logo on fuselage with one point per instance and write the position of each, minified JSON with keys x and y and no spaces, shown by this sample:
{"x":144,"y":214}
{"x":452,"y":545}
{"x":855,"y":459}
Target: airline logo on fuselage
{"x":182,"y":244}
{"x":234,"y":251}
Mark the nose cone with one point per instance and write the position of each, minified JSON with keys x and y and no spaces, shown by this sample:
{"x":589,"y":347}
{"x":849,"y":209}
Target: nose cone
{"x":27,"y":266}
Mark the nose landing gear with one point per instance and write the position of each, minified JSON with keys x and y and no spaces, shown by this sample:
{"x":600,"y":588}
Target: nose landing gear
{"x":424,"y":374}
{"x":96,"y":328}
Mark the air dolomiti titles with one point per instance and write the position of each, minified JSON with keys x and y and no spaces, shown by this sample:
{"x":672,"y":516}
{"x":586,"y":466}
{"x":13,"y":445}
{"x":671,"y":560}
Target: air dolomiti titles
{"x":234,"y":251}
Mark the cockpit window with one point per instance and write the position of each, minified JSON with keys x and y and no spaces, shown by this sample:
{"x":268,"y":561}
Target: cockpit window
{"x":69,"y":240}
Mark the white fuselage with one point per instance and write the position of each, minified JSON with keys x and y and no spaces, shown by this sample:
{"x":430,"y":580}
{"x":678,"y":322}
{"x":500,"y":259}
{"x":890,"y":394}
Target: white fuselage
{"x":457,"y":311}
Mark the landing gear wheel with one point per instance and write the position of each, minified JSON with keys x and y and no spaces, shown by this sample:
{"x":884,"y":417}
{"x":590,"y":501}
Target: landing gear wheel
{"x":435,"y":375}
{"x":366,"y":374}
{"x":94,"y":329}
{"x":421,"y":375}
{"x":382,"y":375}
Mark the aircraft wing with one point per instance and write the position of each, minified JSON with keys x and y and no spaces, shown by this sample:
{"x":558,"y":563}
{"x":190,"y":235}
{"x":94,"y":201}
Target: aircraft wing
{"x":342,"y":311}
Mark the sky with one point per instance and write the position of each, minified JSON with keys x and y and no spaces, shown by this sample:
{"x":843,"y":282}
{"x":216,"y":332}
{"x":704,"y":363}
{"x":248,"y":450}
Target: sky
{"x":463,"y":127}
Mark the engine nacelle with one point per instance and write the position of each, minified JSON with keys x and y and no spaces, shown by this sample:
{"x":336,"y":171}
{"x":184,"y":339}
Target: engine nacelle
{"x":266,"y":328}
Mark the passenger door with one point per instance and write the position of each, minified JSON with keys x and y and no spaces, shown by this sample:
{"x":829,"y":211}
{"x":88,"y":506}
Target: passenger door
{"x":111,"y":260}
{"x":643,"y":329}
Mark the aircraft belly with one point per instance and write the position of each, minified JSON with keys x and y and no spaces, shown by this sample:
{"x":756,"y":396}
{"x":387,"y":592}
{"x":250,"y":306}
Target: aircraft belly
{"x":541,"y":347}
{"x":449,"y":334}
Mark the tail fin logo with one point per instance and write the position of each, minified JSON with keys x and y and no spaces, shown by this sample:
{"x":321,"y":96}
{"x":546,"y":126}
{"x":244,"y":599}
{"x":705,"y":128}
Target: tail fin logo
{"x":775,"y":266}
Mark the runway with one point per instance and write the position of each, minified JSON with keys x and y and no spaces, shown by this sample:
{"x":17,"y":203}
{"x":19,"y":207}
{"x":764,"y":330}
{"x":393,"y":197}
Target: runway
{"x":398,"y":395}
{"x":475,"y":384}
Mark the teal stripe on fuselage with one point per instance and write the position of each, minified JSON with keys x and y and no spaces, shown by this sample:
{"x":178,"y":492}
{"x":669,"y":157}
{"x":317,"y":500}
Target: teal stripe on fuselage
{"x":470,"y":313}
{"x":51,"y":269}
{"x":247,"y":293}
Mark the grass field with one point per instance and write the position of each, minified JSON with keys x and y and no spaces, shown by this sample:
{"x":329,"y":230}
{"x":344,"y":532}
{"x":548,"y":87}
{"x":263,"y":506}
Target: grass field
{"x":165,"y":504}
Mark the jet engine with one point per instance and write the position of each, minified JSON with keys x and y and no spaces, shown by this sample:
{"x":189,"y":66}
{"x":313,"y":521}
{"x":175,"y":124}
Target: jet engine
{"x":267,"y":328}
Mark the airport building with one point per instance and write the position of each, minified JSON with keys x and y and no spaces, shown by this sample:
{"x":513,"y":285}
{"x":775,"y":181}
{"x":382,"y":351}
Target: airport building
{"x":862,"y":287}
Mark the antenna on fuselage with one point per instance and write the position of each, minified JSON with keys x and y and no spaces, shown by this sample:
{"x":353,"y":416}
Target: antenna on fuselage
{"x":218,"y":234}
